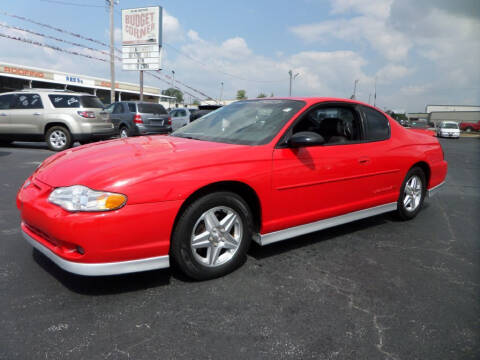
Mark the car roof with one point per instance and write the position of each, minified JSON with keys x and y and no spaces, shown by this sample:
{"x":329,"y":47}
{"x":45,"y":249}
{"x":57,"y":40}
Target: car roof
{"x":42,"y":90}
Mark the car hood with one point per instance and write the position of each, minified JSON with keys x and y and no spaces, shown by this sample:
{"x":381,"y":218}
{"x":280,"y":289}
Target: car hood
{"x":112,"y":165}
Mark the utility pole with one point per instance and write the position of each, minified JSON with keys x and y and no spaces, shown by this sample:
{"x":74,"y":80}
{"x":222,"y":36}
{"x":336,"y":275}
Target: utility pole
{"x":375,"y":93}
{"x":112,"y":55}
{"x":141,"y":85}
{"x":221,"y":92}
{"x":354,"y":96}
{"x":173,"y":79}
{"x":369,"y":97}
{"x":292,"y":77}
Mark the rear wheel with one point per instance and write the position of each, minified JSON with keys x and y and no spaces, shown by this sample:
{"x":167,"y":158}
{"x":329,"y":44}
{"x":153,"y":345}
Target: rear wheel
{"x":124,"y":132}
{"x":412,"y":194}
{"x":212,"y":236}
{"x":469,"y":129}
{"x":58,"y":138}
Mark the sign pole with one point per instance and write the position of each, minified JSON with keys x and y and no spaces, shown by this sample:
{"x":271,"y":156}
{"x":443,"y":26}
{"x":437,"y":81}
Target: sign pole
{"x":141,"y":85}
{"x":112,"y":56}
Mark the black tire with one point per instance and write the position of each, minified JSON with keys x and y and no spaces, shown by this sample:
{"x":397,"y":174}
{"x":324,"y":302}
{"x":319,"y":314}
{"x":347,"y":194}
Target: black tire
{"x":5,"y":142}
{"x":63,"y":135}
{"x":403,"y":210}
{"x":469,"y":129}
{"x":181,"y":248}
{"x":124,"y":130}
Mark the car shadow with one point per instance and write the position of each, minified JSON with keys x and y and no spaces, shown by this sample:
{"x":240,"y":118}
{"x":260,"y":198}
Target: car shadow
{"x":5,"y":153}
{"x":104,"y":285}
{"x":260,"y":252}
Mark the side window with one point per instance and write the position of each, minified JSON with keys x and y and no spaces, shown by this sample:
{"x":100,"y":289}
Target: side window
{"x":377,"y":126}
{"x":28,"y":101}
{"x":336,"y":124}
{"x":174,"y":113}
{"x":109,"y":108}
{"x":132,"y":107}
{"x":64,"y":101}
{"x":7,"y":101}
{"x":182,"y":113}
{"x":118,"y":109}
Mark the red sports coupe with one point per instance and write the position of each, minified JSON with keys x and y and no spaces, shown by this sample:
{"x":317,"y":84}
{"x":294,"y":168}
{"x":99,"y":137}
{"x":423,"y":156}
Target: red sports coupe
{"x":264,"y":170}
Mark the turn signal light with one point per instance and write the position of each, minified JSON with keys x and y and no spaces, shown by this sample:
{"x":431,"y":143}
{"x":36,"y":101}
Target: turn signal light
{"x":138,"y":119}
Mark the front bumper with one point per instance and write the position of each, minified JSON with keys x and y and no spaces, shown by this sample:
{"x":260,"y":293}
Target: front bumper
{"x":133,"y":238}
{"x":100,"y":269}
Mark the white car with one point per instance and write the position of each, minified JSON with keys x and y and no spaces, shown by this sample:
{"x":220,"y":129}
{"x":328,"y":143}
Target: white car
{"x":448,"y":129}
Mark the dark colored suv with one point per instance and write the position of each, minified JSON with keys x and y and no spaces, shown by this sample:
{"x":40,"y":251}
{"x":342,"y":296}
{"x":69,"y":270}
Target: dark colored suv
{"x":132,"y":118}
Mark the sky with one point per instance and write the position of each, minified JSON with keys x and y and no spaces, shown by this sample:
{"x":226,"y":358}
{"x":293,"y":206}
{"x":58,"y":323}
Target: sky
{"x":420,"y":52}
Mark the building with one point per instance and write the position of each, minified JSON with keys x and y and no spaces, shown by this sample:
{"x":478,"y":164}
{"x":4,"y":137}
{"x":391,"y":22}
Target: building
{"x":443,"y":108}
{"x":16,"y":77}
{"x":457,"y":116}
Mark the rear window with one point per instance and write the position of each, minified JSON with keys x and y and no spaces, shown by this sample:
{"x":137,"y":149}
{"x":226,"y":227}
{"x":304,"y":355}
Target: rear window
{"x":151,"y":109}
{"x":91,"y":102}
{"x":74,"y":101}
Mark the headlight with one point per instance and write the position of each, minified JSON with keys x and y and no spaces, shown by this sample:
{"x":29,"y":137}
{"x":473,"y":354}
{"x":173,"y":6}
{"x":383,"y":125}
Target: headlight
{"x":81,"y":198}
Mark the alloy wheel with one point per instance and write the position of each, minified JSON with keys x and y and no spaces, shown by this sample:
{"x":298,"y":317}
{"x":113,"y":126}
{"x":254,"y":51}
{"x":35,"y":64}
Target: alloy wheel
{"x":413,"y":193}
{"x":216,"y":236}
{"x":58,"y":139}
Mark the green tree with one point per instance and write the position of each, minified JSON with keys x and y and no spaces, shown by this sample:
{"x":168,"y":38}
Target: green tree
{"x":174,"y":92}
{"x":241,"y":94}
{"x":261,"y":95}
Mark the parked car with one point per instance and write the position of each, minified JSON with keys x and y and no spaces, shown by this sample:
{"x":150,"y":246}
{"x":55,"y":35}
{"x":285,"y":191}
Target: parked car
{"x":203,"y":110}
{"x":404,"y":122}
{"x":264,"y":170}
{"x":448,"y":129}
{"x":132,"y":118}
{"x":180,"y":117}
{"x":470,"y":126}
{"x":419,"y":124}
{"x":58,"y":117}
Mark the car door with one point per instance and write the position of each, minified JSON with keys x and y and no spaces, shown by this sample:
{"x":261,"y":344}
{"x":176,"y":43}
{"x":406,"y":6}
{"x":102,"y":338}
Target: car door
{"x":183,"y":117}
{"x":6,"y":105}
{"x":28,"y":116}
{"x":176,"y":119}
{"x":115,"y":110}
{"x":319,"y":182}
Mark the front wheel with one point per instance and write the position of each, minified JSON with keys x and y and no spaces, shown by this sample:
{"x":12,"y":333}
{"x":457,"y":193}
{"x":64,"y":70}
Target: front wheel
{"x":469,"y":129}
{"x":123,"y":132}
{"x":58,"y":138}
{"x":412,"y":194}
{"x":212,"y":236}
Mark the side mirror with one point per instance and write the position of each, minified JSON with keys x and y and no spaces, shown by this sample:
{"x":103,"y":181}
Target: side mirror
{"x":305,"y":138}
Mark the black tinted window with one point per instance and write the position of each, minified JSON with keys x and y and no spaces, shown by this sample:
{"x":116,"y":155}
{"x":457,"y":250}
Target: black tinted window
{"x":65,"y":101}
{"x":132,"y":107}
{"x":7,"y":102}
{"x":91,"y":102}
{"x":377,"y":126}
{"x":151,"y":109}
{"x":28,"y":101}
{"x":118,"y":109}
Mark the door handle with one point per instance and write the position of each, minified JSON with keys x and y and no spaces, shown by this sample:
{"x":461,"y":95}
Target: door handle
{"x":364,"y":160}
{"x":36,"y":113}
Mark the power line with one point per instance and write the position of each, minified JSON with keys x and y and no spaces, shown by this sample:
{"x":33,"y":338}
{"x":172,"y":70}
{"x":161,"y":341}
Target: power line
{"x":53,"y":38}
{"x":70,"y":3}
{"x":18,"y":38}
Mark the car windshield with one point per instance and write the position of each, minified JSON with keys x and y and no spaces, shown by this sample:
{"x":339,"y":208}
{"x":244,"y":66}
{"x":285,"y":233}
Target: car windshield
{"x":449,"y":126}
{"x":251,"y":122}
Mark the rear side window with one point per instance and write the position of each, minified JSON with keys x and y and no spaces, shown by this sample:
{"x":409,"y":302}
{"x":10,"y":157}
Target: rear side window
{"x":91,"y":102}
{"x":182,"y":113}
{"x":7,"y":101}
{"x":118,"y":109}
{"x":377,"y":126}
{"x":28,"y":101}
{"x":151,"y":109}
{"x":65,"y":101}
{"x":132,"y":107}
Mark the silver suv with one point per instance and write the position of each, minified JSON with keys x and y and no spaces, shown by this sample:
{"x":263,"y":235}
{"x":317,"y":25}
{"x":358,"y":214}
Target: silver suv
{"x":56,"y":116}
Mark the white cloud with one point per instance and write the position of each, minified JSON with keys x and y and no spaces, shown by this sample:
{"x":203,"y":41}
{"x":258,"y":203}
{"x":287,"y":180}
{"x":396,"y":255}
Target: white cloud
{"x":377,"y":8}
{"x":392,"y":72}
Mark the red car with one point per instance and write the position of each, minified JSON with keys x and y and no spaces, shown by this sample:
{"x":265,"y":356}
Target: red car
{"x":470,"y":126}
{"x":263,"y":170}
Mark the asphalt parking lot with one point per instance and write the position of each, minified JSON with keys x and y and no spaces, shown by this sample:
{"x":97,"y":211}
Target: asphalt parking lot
{"x":374,"y":289}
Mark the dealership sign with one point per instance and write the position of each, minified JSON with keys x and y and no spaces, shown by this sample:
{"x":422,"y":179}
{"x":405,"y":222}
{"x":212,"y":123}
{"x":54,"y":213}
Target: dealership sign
{"x":142,"y":38}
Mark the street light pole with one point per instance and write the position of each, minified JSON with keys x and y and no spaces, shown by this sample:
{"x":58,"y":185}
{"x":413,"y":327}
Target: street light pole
{"x":173,"y":79}
{"x":354,"y":96}
{"x":112,"y":55}
{"x":292,"y":77}
{"x":221,"y":91}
